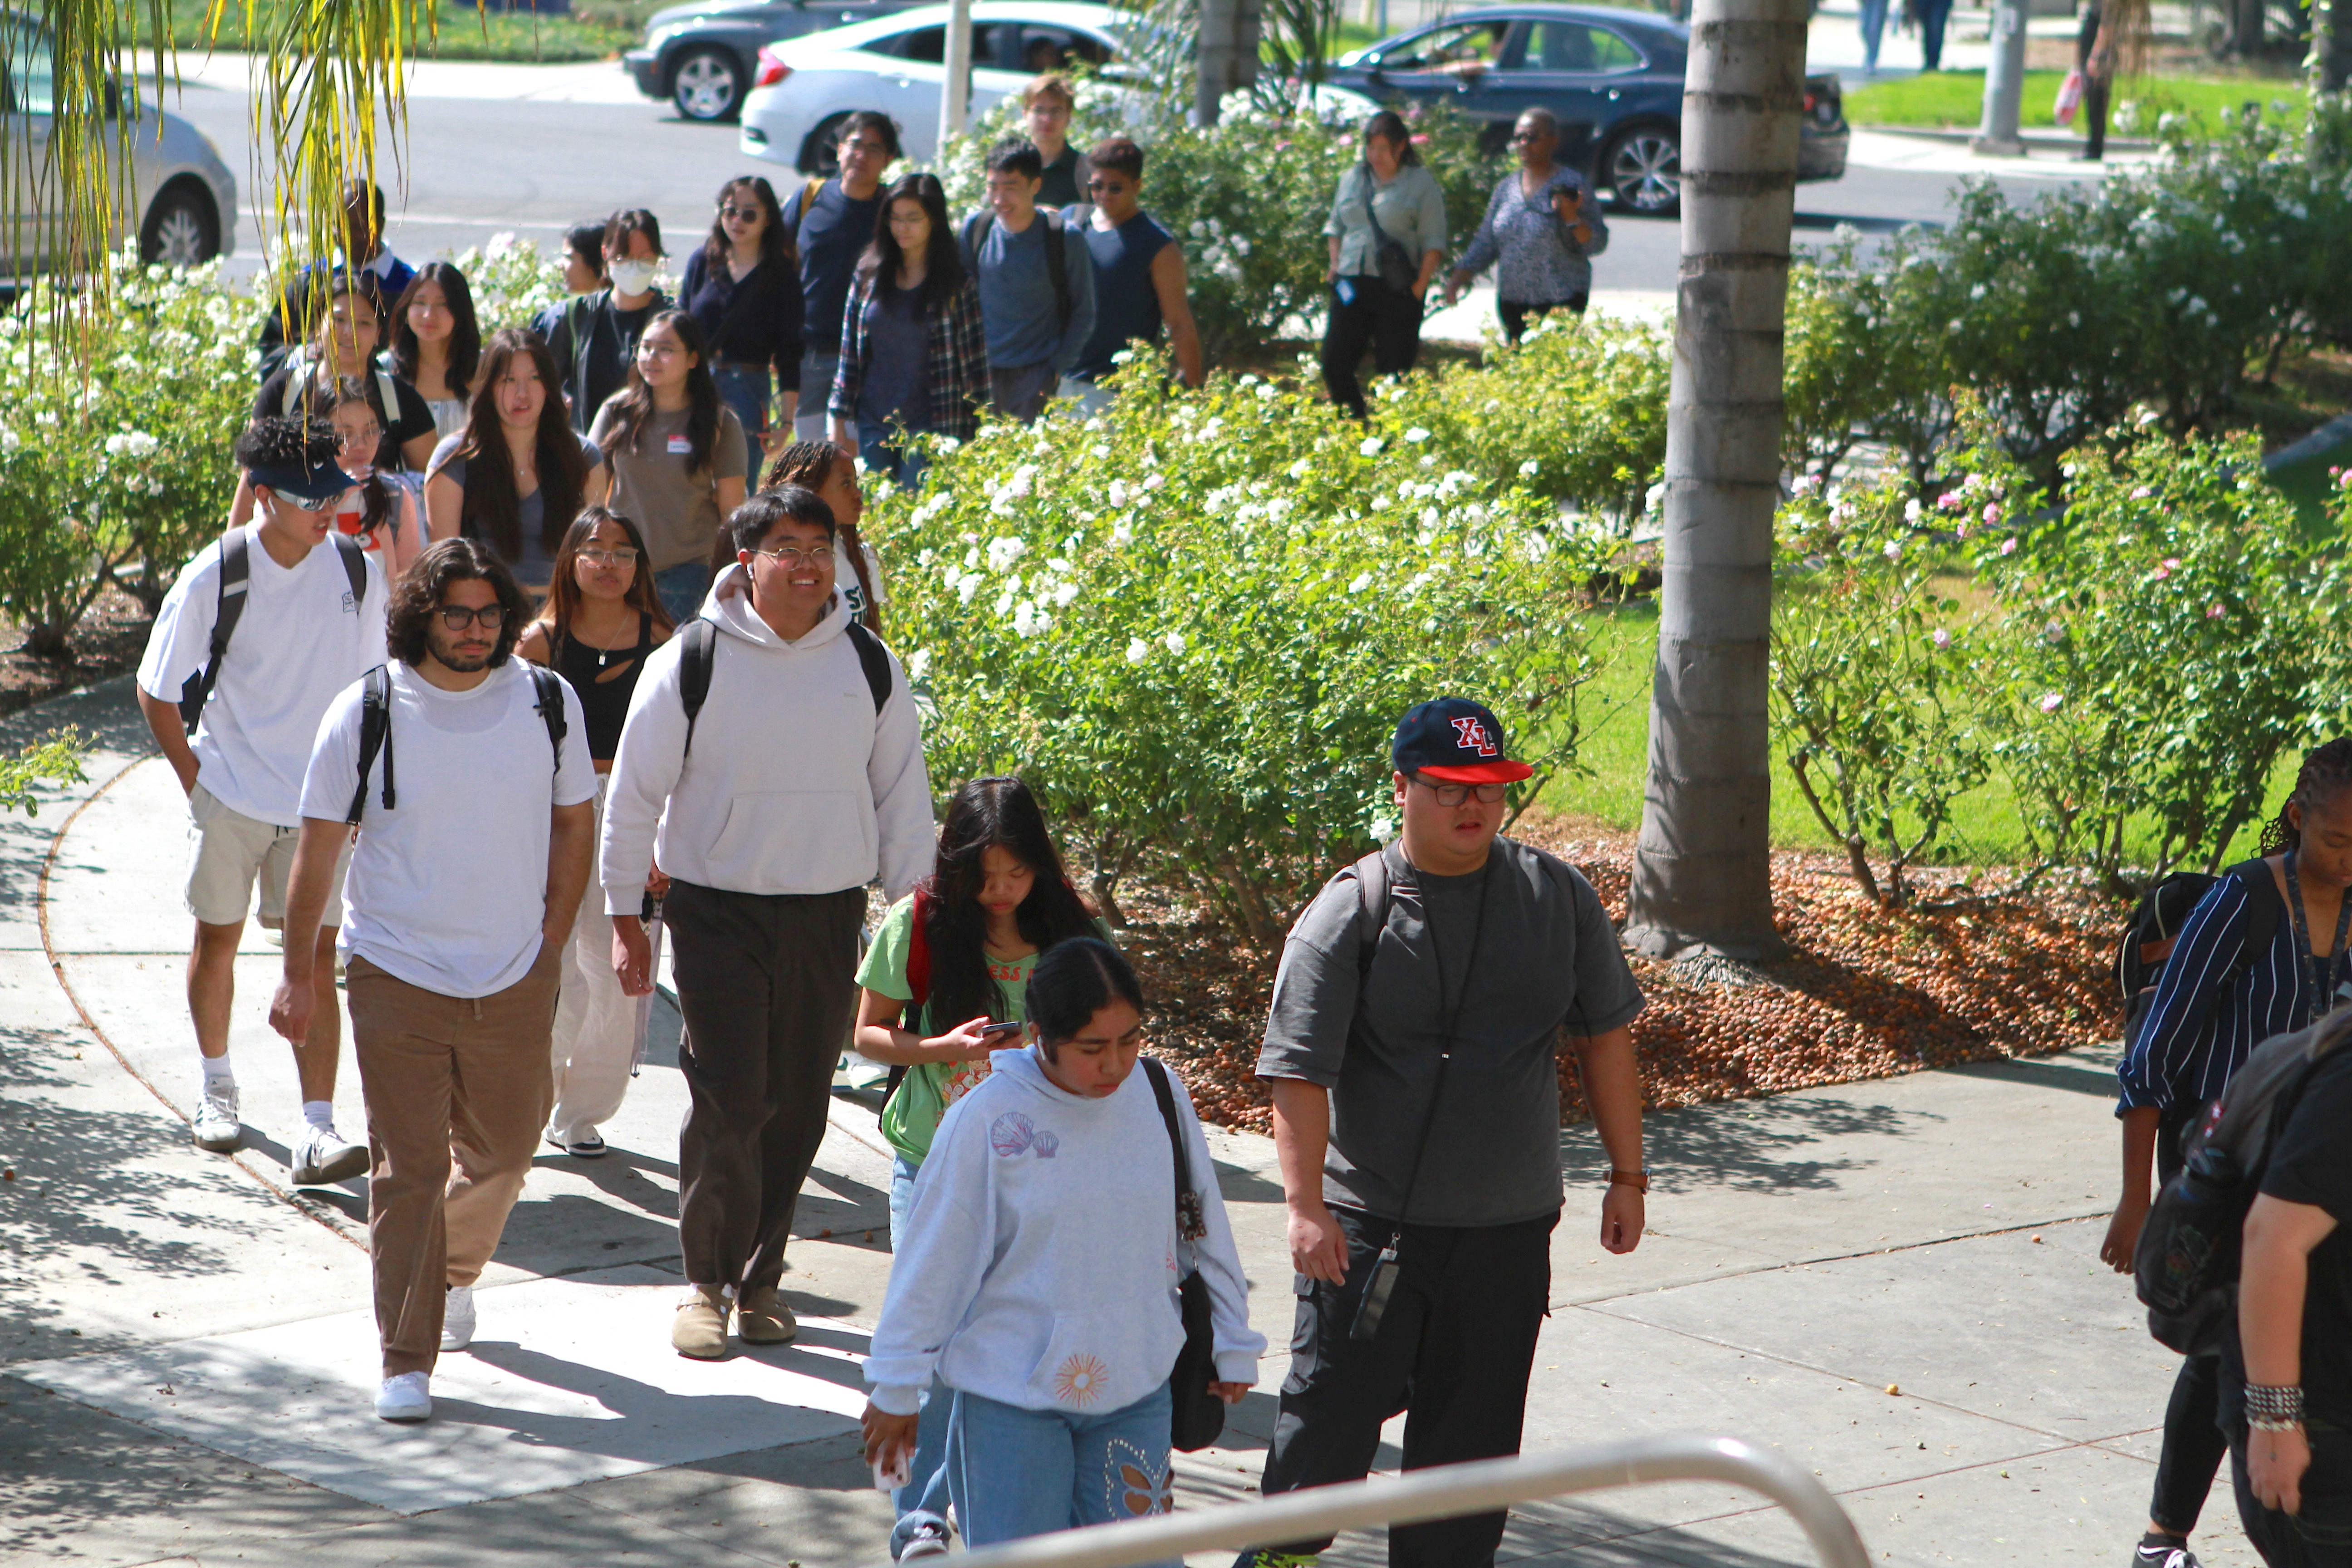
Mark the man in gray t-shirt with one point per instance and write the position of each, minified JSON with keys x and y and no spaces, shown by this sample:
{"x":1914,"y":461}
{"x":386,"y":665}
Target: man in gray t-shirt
{"x":1413,"y":1054}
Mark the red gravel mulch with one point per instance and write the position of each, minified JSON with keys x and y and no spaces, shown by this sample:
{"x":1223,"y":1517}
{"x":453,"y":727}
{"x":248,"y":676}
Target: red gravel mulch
{"x":1865,"y":991}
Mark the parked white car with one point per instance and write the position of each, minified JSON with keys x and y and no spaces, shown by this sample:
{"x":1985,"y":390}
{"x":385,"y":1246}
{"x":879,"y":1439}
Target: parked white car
{"x":183,"y":196}
{"x":805,"y":87}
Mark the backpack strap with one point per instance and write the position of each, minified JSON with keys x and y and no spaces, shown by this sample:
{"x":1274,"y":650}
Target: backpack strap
{"x":698,"y":651}
{"x":234,"y":584}
{"x":1374,"y":892}
{"x":918,"y":976}
{"x":801,"y":206}
{"x":375,"y":738}
{"x":875,"y":659}
{"x":354,"y":556}
{"x":548,"y":687}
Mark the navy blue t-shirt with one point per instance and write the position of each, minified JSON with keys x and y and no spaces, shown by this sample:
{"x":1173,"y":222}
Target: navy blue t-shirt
{"x":897,"y":371}
{"x":833,"y":233}
{"x":1127,"y":308}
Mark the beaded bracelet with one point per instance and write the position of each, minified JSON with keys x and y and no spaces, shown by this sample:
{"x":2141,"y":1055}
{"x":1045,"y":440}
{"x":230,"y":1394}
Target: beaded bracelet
{"x":2271,"y":1409}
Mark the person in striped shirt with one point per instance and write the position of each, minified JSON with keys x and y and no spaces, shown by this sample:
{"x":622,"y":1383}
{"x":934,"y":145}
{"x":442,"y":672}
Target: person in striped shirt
{"x":2225,"y":989}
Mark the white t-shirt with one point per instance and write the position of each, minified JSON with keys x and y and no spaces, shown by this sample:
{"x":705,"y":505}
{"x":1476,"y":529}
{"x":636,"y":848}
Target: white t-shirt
{"x":300,"y":642}
{"x":845,"y":576}
{"x":447,"y":890}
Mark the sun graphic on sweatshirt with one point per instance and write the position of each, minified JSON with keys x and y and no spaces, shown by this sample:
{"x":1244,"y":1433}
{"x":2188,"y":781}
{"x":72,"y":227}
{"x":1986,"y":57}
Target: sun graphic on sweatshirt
{"x":1080,"y":1380}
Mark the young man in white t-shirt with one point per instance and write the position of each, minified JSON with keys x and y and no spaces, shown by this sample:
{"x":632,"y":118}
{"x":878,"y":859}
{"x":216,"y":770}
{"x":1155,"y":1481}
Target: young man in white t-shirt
{"x":308,"y":620}
{"x":474,"y":819}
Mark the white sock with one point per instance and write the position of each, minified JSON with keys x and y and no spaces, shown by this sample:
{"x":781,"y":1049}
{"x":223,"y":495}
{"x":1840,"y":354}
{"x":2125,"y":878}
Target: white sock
{"x":218,"y":1074}
{"x":319,"y":1113}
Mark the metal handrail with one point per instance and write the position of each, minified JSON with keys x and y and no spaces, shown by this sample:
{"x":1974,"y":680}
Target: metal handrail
{"x":1446,"y":1492}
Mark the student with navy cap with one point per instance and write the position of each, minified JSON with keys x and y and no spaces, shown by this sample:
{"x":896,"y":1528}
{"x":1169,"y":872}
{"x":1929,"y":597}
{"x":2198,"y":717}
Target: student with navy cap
{"x":1412,"y":1056}
{"x":259,"y":635}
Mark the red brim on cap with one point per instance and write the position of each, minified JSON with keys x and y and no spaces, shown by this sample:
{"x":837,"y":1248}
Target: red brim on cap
{"x":1502,"y":771}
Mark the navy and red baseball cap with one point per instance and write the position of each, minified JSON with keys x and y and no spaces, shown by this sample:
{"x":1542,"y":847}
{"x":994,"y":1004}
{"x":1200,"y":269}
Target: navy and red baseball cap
{"x":1455,"y":741}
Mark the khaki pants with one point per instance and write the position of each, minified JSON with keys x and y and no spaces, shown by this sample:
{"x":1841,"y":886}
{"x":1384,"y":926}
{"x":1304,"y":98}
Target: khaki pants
{"x":456,"y":1092}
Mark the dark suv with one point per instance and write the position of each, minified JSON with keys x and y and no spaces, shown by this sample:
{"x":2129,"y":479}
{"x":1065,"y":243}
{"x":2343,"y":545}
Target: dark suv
{"x":1613,"y":79}
{"x":702,"y":57}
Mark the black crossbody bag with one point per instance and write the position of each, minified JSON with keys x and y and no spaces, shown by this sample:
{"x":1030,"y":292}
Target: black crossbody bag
{"x":1196,"y":1415}
{"x":1398,"y":268}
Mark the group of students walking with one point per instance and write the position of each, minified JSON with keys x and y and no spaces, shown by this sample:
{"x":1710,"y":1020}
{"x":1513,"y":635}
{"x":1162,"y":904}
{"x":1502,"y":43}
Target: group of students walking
{"x":470,"y":802}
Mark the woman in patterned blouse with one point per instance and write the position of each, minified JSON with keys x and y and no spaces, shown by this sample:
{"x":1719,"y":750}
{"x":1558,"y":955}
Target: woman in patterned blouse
{"x":1542,"y":224}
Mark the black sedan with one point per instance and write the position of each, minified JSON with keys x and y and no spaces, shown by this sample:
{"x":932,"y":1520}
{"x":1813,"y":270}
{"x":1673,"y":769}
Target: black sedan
{"x":701,"y":56}
{"x":1613,"y":79}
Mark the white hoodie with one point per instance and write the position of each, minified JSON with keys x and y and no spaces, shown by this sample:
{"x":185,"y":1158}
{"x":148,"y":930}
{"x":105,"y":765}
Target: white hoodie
{"x":794,"y":785}
{"x":1038,"y":1267}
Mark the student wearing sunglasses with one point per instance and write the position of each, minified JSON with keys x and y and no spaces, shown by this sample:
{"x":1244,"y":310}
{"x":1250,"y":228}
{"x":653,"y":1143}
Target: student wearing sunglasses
{"x":743,"y":289}
{"x":1140,"y":282}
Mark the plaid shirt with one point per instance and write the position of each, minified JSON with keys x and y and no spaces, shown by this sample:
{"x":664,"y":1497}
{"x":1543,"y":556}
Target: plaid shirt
{"x":958,"y":371}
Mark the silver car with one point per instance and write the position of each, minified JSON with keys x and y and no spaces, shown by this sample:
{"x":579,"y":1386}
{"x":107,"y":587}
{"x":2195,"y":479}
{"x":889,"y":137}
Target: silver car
{"x":182,"y":195}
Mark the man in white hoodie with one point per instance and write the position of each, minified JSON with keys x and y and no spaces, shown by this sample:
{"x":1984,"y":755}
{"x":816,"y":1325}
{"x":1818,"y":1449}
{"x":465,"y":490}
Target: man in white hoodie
{"x":773,"y":765}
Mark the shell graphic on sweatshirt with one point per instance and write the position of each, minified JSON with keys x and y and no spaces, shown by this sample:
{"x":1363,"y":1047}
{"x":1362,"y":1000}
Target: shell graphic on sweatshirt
{"x":1080,"y":1380}
{"x":1011,"y":1134}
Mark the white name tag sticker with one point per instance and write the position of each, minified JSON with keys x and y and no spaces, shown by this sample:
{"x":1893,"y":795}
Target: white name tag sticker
{"x":679,"y":446}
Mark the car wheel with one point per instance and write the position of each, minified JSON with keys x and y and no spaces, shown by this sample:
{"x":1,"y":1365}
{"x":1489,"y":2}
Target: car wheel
{"x":821,"y":153}
{"x":181,"y":229}
{"x":1643,"y":170}
{"x":707,"y":84}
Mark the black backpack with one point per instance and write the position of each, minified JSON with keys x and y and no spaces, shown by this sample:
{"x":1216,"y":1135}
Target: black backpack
{"x":1058,"y":263}
{"x":2156,"y":925}
{"x":2186,"y":1267}
{"x":375,"y":728}
{"x":235,"y":580}
{"x":699,"y":651}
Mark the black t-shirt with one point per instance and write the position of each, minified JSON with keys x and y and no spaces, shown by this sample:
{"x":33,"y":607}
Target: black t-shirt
{"x":833,"y":233}
{"x":402,"y":424}
{"x":2312,"y":1164}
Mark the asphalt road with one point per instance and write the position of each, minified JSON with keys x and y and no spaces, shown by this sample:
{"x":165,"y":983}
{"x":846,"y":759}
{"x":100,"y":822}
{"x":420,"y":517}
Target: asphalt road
{"x":475,"y":167}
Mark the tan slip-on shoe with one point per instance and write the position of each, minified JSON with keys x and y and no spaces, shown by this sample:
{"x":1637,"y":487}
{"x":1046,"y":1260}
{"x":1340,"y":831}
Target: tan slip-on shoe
{"x":700,"y":1330}
{"x":763,"y":1318}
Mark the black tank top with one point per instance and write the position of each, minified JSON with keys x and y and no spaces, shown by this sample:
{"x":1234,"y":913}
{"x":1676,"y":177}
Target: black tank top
{"x":604,"y":703}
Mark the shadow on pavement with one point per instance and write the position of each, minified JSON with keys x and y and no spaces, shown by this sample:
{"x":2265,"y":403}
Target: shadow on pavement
{"x":1747,"y":1145}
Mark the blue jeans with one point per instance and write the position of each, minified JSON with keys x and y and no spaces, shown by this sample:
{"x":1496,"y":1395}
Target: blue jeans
{"x":1873,"y":27}
{"x":1015,"y":1472}
{"x":682,"y":588}
{"x":879,"y":449}
{"x":745,"y":389}
{"x":924,"y":1498}
{"x":1933,"y":14}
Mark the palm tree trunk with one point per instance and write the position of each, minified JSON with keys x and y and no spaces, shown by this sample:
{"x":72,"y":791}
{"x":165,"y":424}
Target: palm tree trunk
{"x":1702,"y":872}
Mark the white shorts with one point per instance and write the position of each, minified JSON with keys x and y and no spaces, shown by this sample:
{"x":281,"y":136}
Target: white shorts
{"x":227,"y":850}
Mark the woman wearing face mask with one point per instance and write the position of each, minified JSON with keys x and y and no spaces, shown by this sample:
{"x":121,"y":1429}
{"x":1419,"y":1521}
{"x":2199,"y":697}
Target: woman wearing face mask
{"x":436,"y":344}
{"x":1543,"y":227}
{"x":1386,"y":234}
{"x":594,"y":336}
{"x":601,"y":621}
{"x":678,"y":456}
{"x":1036,"y":1273}
{"x":914,"y":353}
{"x":381,"y":516}
{"x":514,"y":475}
{"x":743,"y":290}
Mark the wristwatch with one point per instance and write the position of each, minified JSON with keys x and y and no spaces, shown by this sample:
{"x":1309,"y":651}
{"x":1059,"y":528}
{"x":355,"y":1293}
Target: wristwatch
{"x":1637,"y":1180}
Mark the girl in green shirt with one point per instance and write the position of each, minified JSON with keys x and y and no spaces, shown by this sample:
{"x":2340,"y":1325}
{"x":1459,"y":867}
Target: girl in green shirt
{"x":951,"y":957}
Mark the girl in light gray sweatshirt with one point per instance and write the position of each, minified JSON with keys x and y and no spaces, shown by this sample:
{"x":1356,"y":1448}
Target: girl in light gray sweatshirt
{"x":1037,"y":1274}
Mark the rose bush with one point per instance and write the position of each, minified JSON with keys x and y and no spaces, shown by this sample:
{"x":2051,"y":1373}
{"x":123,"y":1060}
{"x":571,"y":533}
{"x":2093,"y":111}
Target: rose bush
{"x":1192,"y":627}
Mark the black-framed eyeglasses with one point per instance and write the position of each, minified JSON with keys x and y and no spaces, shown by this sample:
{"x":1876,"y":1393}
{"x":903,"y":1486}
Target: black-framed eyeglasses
{"x":1455,"y":794}
{"x":789,"y":557}
{"x":457,"y":617}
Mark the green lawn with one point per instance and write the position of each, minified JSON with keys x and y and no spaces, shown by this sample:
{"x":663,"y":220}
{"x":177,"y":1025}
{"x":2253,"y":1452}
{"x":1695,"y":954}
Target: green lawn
{"x":594,"y":30}
{"x":1616,"y":709}
{"x":1955,"y":100}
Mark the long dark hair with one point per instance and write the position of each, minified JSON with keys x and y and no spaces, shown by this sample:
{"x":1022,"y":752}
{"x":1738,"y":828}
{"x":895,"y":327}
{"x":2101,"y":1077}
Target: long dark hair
{"x":1001,"y":813}
{"x":416,"y":594}
{"x":1074,"y":981}
{"x":942,"y":261}
{"x":2325,"y":773}
{"x":375,"y":500}
{"x":492,"y":510}
{"x":632,"y":406}
{"x":564,"y":585}
{"x":775,"y":245}
{"x":465,"y":334}
{"x":809,"y":464}
{"x":1389,"y":127}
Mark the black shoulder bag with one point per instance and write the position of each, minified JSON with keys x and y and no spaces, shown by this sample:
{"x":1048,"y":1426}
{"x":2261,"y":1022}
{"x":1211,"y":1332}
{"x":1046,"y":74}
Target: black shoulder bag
{"x":1398,"y":268}
{"x":1380,"y":1283}
{"x":1196,"y":1415}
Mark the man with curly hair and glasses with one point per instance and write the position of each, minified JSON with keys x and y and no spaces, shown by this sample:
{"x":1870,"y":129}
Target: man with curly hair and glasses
{"x":466,"y":774}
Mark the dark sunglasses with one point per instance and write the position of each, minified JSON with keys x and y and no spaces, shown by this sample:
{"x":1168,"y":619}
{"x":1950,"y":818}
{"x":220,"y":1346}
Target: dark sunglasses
{"x":731,"y":210}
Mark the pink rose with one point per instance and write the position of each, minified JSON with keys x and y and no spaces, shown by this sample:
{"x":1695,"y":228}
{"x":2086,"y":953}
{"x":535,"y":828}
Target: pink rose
{"x":2008,"y":546}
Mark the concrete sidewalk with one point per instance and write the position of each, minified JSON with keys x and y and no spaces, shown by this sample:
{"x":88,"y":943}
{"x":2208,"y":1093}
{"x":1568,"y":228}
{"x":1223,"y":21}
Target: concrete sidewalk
{"x":1897,"y":1282}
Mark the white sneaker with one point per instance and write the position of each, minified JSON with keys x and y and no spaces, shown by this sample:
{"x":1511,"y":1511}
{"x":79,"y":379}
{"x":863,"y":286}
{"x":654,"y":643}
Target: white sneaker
{"x":323,"y":1156}
{"x":407,"y":1397}
{"x":216,"y":1128}
{"x":458,"y":1319}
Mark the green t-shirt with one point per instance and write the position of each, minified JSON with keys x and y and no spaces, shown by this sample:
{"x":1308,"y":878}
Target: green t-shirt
{"x":929,"y":1088}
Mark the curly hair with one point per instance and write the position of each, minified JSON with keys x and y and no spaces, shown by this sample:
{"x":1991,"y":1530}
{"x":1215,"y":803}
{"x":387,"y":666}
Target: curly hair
{"x":416,"y":594}
{"x":2325,"y":773}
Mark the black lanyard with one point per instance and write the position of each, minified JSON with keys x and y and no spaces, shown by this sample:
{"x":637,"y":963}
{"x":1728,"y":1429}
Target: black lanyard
{"x":1451,"y":1011}
{"x":2319,"y":971}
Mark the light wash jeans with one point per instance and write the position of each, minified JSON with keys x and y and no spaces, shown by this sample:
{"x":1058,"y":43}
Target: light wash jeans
{"x":818,"y":373}
{"x":1015,"y":1472}
{"x":682,"y":588}
{"x":1874,"y":28}
{"x":924,"y":1498}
